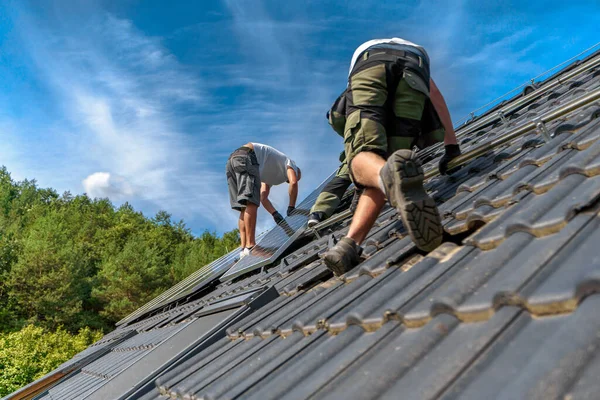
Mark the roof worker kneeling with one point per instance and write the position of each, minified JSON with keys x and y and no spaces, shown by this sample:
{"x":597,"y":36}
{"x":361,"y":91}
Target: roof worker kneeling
{"x":391,"y":105}
{"x":251,"y":171}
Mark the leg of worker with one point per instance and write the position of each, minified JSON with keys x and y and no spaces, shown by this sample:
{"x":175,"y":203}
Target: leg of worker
{"x":330,"y":197}
{"x":402,"y":175}
{"x":233,"y":179}
{"x":370,"y":204}
{"x":365,"y":143}
{"x":250,"y":192}
{"x":243,"y":180}
{"x":242,"y":228}
{"x":366,"y":167}
{"x":250,"y":224}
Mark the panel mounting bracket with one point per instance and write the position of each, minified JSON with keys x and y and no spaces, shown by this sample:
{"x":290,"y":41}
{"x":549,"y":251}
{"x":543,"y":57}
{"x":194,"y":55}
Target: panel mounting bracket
{"x":542,"y":130}
{"x":503,"y":117}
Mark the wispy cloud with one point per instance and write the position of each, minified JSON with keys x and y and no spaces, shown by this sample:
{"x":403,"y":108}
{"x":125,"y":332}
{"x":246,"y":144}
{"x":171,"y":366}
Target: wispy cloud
{"x":121,"y":93}
{"x":119,"y":106}
{"x":287,"y":94}
{"x":139,"y":125}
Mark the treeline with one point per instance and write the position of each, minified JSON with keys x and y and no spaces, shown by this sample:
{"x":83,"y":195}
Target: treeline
{"x":33,"y":351}
{"x":73,"y":262}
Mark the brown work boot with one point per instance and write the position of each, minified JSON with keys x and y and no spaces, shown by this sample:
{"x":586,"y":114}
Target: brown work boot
{"x":342,"y":257}
{"x":402,"y":177}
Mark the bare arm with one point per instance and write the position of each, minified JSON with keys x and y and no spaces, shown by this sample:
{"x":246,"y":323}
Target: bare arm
{"x":264,"y":197}
{"x":442,"y":109}
{"x":293,"y":186}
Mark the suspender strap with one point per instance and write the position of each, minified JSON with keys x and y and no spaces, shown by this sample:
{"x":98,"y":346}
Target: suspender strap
{"x":408,"y":59}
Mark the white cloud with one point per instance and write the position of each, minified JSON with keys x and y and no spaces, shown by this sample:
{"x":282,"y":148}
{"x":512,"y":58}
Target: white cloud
{"x":131,"y":109}
{"x":121,"y":92}
{"x":103,"y":184}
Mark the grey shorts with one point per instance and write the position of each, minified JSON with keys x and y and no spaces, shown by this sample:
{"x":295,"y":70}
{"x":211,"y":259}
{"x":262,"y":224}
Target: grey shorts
{"x":243,"y":178}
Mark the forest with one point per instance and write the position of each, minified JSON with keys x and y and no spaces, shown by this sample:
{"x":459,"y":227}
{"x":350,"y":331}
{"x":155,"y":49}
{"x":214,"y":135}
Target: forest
{"x":71,"y":266}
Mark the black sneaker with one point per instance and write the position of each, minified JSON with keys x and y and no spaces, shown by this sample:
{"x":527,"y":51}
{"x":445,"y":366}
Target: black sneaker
{"x":342,"y":257}
{"x":315,"y":218}
{"x":402,"y":177}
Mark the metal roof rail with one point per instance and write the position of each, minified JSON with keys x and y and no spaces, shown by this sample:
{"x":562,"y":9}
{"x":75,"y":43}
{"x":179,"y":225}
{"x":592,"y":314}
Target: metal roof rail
{"x":584,"y":67}
{"x":521,"y":130}
{"x":538,"y":124}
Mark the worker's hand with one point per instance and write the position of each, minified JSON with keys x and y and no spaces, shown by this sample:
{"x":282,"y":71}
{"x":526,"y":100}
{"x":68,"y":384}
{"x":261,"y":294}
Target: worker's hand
{"x":290,"y":210}
{"x":277,"y":217}
{"x":452,"y":151}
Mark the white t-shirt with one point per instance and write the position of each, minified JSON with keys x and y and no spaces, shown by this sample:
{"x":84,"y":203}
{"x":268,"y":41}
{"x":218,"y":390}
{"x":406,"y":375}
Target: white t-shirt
{"x":273,"y":164}
{"x":395,"y":41}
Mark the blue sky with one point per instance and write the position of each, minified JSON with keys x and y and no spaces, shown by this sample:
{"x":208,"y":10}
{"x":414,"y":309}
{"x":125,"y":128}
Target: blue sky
{"x":142,"y":101}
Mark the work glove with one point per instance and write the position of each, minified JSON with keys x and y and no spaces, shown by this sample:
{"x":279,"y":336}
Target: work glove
{"x":277,"y":217}
{"x":290,"y":210}
{"x":452,"y":151}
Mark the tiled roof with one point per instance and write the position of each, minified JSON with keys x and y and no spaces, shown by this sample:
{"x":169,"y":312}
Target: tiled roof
{"x":504,"y":308}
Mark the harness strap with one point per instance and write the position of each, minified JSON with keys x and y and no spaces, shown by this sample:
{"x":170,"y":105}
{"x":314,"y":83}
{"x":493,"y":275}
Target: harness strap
{"x":412,"y":61}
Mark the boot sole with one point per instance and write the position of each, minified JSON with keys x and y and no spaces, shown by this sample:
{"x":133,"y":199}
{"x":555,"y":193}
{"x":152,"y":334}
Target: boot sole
{"x":416,"y":207}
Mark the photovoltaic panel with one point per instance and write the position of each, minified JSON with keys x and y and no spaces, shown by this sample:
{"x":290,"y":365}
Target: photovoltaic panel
{"x":269,"y":246}
{"x":187,"y":286}
{"x":196,"y":281}
{"x":279,"y":238}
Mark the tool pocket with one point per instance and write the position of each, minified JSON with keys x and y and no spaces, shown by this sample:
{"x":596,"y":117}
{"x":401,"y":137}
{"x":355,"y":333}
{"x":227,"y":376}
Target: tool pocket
{"x":415,"y":82}
{"x":240,"y":164}
{"x":337,"y":114}
{"x":351,"y":132}
{"x":249,"y":182}
{"x":352,"y":125}
{"x":369,"y":86}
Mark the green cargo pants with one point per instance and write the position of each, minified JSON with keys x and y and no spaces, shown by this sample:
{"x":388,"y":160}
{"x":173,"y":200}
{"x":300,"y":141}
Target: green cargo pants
{"x":385,"y":102}
{"x":331,"y":195}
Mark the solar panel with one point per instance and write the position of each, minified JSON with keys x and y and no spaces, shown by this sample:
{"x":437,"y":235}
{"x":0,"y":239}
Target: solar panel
{"x":269,"y":246}
{"x":278,"y":239}
{"x":187,"y":286}
{"x":193,"y":283}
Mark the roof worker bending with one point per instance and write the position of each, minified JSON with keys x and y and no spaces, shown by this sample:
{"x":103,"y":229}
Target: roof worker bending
{"x":251,"y":171}
{"x":391,"y":106}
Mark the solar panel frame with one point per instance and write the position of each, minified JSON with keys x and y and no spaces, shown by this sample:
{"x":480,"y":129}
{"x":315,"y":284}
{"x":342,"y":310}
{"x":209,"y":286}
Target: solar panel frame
{"x":193,"y":283}
{"x":269,"y":247}
{"x":206,"y":274}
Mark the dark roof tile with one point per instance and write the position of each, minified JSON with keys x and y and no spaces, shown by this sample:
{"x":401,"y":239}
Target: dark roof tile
{"x":473,"y":319}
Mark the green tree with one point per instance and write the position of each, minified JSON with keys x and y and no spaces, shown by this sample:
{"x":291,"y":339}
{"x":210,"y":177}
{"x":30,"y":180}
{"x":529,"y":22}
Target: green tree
{"x":73,"y":261}
{"x":69,"y":262}
{"x":32,"y":352}
{"x":131,"y":278}
{"x":51,"y":281}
